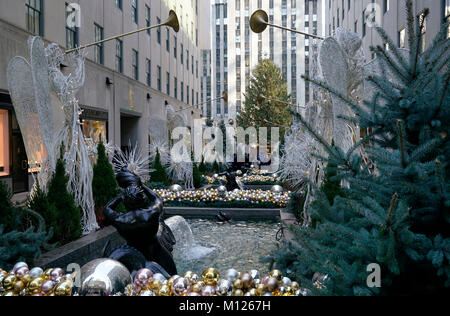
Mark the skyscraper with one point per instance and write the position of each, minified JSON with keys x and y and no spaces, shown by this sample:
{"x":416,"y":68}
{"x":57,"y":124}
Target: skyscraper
{"x":236,"y":50}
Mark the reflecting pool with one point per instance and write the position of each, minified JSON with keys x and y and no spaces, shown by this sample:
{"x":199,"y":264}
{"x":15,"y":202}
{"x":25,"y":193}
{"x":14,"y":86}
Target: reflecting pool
{"x":239,"y":245}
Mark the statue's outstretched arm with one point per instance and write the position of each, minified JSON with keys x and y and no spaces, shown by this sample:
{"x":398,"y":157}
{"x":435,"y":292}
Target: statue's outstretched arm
{"x":158,"y":203}
{"x":110,"y":210}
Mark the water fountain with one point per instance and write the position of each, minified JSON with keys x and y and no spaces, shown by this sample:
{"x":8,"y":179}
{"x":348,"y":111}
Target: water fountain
{"x":186,"y":248}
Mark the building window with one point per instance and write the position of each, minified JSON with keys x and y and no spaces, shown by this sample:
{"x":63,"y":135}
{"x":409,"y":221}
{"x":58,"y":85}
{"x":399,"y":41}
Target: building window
{"x":386,"y":5}
{"x":447,"y":15}
{"x":119,"y":56}
{"x":95,"y":129}
{"x":181,"y":54}
{"x":187,"y":94}
{"x":175,"y":47}
{"x":71,"y":33}
{"x":159,"y":78}
{"x":149,"y":72}
{"x":119,"y":4}
{"x":175,"y":88}
{"x":99,"y":49}
{"x":187,"y":60}
{"x":35,"y":17}
{"x":168,"y":41}
{"x":168,"y":84}
{"x":192,"y":63}
{"x":148,"y":18}
{"x":135,"y":64}
{"x":4,"y":143}
{"x":402,"y":38}
{"x":158,"y":31}
{"x":182,"y":91}
{"x":134,"y":11}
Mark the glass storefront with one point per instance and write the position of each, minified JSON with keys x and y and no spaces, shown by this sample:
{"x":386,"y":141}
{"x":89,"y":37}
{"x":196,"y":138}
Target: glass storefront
{"x":4,"y":144}
{"x":95,"y":130}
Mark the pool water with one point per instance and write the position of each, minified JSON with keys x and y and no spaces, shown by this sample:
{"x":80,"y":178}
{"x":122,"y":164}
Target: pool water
{"x":238,"y":245}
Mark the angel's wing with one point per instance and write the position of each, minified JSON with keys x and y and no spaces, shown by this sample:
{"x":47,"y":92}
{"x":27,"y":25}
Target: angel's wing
{"x":334,"y":69}
{"x":157,"y":127}
{"x":39,"y":68}
{"x":22,"y":90}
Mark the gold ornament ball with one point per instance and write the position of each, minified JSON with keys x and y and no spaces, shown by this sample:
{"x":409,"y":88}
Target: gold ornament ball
{"x":19,"y":286}
{"x":9,"y":293}
{"x":35,"y":285}
{"x":164,"y":291}
{"x":211,"y":277}
{"x":238,"y":293}
{"x":197,"y":287}
{"x":156,"y":285}
{"x":261,"y":289}
{"x":9,"y":281}
{"x":238,"y":284}
{"x":290,"y":291}
{"x":295,"y":286}
{"x":26,"y":279}
{"x":63,"y":289}
{"x":277,"y":274}
{"x":253,"y":292}
{"x":47,"y":274}
{"x":188,"y":275}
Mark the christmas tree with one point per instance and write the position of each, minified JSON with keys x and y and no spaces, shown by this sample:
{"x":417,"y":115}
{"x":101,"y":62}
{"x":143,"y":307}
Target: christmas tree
{"x":160,"y":174}
{"x":66,"y":223}
{"x":104,"y":184}
{"x":395,"y":212}
{"x":17,"y":245}
{"x":266,"y":99}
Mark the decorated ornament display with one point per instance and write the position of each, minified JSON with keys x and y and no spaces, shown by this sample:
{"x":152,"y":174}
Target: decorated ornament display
{"x":106,"y":277}
{"x":21,"y":281}
{"x":254,"y":176}
{"x":281,"y":199}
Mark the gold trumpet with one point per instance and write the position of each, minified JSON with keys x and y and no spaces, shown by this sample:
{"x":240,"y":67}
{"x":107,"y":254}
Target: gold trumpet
{"x":172,"y":22}
{"x":260,"y":21}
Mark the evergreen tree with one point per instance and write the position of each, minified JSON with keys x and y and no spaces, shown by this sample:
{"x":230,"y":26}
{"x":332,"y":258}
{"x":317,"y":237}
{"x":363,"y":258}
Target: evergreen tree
{"x":67,"y":222}
{"x":17,"y":245}
{"x":396,"y":209}
{"x":8,"y":218}
{"x":331,"y":183}
{"x":202,"y":167}
{"x":216,"y":167}
{"x":262,"y":107}
{"x":197,"y":176}
{"x":160,"y":174}
{"x":104,"y":184}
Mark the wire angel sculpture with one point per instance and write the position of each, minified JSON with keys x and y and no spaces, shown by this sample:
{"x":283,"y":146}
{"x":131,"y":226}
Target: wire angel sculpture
{"x":339,"y":64}
{"x":46,"y":77}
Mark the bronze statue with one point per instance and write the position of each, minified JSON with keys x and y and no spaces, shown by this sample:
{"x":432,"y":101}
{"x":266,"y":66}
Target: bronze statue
{"x":140,"y":226}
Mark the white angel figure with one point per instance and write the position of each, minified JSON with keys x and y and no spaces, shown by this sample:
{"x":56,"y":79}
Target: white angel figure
{"x":43,"y":76}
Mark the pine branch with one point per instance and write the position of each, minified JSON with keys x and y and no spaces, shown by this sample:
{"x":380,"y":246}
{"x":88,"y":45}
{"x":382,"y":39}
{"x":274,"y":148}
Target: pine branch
{"x":444,"y":93}
{"x":385,"y":37}
{"x":391,"y":209}
{"x":383,"y":54}
{"x":402,"y":143}
{"x":441,"y":178}
{"x":411,"y":29}
{"x":421,"y":22}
